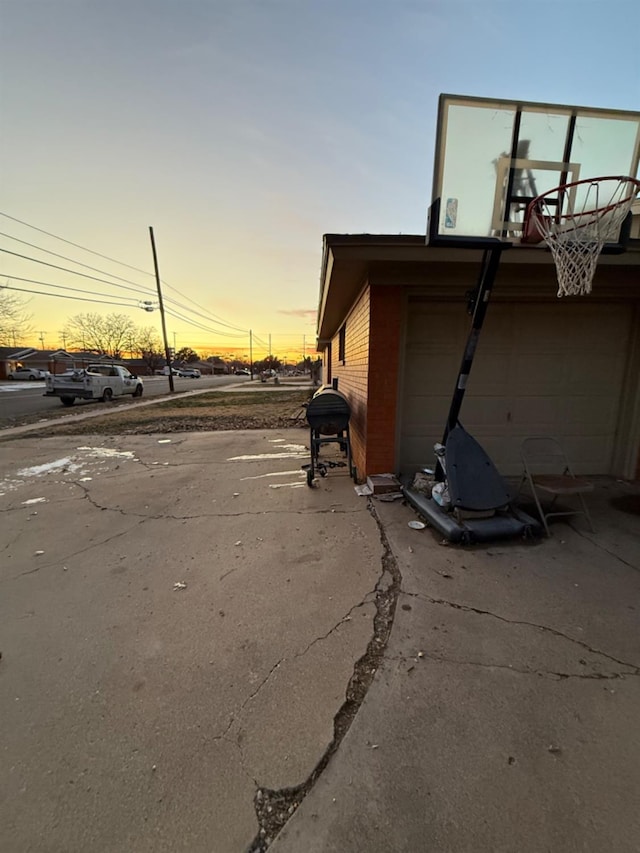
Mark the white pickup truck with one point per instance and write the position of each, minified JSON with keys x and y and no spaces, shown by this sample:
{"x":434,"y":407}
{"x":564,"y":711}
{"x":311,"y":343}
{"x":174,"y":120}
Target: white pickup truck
{"x":94,"y":382}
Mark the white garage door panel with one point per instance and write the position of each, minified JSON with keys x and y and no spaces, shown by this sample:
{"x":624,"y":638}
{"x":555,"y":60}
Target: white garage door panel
{"x":537,"y":373}
{"x":540,"y":369}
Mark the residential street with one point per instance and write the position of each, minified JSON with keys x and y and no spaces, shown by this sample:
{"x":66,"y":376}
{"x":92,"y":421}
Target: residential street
{"x":140,"y":714}
{"x":18,"y":399}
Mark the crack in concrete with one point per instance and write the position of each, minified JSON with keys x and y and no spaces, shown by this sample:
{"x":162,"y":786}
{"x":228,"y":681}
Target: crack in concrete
{"x":165,"y":517}
{"x":345,"y":618}
{"x":606,"y":550}
{"x":75,"y":553}
{"x":543,"y":673}
{"x":243,"y":766}
{"x":275,"y":807}
{"x":237,"y":714}
{"x":468,"y":609}
{"x":13,"y":541}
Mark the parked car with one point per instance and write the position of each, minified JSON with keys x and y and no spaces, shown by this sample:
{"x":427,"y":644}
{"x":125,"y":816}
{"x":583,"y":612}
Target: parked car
{"x":243,"y":372}
{"x":94,"y":382}
{"x":190,"y":373}
{"x":28,"y":373}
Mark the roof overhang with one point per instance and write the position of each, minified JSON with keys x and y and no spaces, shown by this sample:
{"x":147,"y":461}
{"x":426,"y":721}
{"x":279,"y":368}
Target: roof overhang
{"x":351,"y":261}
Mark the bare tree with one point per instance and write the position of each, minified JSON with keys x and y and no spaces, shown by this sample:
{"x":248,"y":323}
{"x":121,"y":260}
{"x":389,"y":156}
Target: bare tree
{"x":14,"y":321}
{"x":146,"y":342}
{"x":107,"y":334}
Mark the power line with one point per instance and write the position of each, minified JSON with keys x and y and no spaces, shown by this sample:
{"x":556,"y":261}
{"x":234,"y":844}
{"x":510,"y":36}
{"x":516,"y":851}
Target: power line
{"x":207,"y":314}
{"x":62,"y":296}
{"x":68,"y":287}
{"x":197,"y":325}
{"x":77,"y":245}
{"x":75,"y":272}
{"x":213,"y":317}
{"x":94,"y":278}
{"x":72,"y":260}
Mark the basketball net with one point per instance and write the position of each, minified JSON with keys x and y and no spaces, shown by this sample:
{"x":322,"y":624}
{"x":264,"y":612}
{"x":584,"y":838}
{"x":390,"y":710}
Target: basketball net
{"x":575,"y":221}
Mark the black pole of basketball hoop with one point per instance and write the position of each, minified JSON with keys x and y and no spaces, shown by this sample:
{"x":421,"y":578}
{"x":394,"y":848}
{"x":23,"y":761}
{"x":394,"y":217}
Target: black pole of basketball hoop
{"x":490,"y":264}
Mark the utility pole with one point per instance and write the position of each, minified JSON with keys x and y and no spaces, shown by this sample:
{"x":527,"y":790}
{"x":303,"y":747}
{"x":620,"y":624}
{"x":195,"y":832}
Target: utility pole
{"x":63,"y":335}
{"x":167,"y":353}
{"x":42,"y":339}
{"x":251,"y":352}
{"x":174,"y":343}
{"x":270,"y":353}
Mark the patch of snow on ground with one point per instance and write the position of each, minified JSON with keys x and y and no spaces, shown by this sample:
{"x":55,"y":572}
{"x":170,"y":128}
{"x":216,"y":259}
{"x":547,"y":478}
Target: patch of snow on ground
{"x":274,"y":474}
{"x":106,"y":453}
{"x":286,"y":485}
{"x":257,"y":456}
{"x":48,"y":467}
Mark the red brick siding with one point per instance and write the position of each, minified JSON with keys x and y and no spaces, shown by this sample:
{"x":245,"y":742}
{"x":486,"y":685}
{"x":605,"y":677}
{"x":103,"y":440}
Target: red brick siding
{"x":384,"y":370}
{"x":353,"y":375}
{"x":369,"y":376}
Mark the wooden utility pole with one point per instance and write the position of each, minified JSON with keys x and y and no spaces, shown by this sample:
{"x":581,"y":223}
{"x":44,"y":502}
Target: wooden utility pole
{"x":251,"y":352}
{"x":167,"y":353}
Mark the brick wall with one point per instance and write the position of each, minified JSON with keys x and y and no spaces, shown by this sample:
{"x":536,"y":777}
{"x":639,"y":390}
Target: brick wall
{"x":353,"y":375}
{"x":384,"y":369}
{"x":369,"y":376}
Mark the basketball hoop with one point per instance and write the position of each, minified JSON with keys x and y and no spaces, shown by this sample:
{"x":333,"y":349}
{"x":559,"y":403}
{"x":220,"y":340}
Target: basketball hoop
{"x":575,"y":221}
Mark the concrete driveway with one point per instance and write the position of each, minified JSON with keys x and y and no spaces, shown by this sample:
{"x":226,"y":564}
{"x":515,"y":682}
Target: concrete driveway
{"x":500,"y":703}
{"x":138,"y":716}
{"x":505,"y":716}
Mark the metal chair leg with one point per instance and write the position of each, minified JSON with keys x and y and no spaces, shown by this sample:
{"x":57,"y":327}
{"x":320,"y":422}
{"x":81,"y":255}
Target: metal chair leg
{"x":586,"y":512}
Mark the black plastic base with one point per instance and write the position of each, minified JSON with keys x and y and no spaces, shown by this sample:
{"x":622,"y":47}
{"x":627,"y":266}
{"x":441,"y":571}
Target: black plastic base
{"x":503,"y":525}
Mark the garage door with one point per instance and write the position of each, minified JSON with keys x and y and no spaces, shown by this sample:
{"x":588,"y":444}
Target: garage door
{"x":540,"y":369}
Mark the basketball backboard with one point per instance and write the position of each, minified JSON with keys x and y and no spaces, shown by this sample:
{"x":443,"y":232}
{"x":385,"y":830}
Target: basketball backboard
{"x":493,"y":157}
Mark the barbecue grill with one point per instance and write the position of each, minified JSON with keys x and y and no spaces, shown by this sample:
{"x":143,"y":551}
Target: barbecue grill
{"x":328,"y":414}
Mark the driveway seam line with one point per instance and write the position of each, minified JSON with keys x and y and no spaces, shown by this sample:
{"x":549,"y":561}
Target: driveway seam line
{"x":468,"y":609}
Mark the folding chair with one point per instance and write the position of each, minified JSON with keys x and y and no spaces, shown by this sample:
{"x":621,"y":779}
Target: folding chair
{"x":547,"y":470}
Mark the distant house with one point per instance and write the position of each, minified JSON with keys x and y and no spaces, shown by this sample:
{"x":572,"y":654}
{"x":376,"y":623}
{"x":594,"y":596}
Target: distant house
{"x":55,"y":361}
{"x":10,"y":359}
{"x":392,"y":328}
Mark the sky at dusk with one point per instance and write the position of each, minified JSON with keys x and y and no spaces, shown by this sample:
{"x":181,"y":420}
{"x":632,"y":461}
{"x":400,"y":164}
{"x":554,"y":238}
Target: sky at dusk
{"x":243,"y":130}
